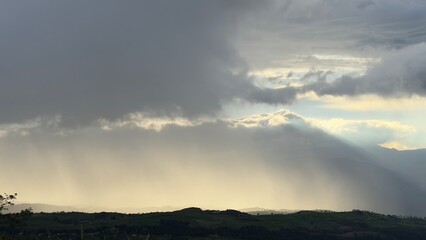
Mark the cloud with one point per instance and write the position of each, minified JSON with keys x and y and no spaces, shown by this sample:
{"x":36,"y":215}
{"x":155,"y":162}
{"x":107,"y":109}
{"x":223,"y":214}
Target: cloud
{"x":139,"y":120}
{"x":267,"y":120}
{"x":369,"y":103}
{"x":365,"y":4}
{"x":286,"y":30}
{"x":399,"y":74}
{"x":29,"y":127}
{"x":365,"y":47}
{"x":396,"y":145}
{"x":365,"y":133}
{"x":284,"y":95}
{"x":103,"y":59}
{"x":183,"y":59}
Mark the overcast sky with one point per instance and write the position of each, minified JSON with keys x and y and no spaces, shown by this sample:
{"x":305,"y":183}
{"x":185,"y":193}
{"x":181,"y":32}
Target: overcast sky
{"x":219,"y":104}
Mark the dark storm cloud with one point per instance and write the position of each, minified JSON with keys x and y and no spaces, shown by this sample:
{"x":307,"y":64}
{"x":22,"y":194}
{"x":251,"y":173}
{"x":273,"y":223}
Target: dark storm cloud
{"x":285,"y":95}
{"x":86,"y":60}
{"x":400,"y":74}
{"x":365,"y":4}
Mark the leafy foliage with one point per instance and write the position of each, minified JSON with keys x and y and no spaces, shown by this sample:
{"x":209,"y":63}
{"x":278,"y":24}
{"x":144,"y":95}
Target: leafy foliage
{"x":6,"y":200}
{"x":10,"y":221}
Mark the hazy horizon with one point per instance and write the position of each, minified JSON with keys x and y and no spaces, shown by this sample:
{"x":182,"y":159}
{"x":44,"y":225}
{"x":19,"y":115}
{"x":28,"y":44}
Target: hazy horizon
{"x":277,"y":104}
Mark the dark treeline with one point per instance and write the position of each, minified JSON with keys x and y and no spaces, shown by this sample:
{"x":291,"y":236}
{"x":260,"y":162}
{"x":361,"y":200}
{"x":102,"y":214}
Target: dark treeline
{"x":193,"y":223}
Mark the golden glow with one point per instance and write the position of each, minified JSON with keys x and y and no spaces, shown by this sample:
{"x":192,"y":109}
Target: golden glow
{"x":338,"y":125}
{"x":396,"y":145}
{"x":300,"y":65}
{"x":264,"y":120}
{"x":280,"y":73}
{"x":139,"y":120}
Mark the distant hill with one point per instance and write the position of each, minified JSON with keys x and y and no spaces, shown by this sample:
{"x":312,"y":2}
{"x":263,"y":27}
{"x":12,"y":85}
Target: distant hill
{"x":38,"y":207}
{"x":264,"y":211}
{"x":49,"y":208}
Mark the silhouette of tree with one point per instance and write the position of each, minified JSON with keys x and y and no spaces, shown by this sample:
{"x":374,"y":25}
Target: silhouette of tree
{"x":10,"y":221}
{"x":6,"y":200}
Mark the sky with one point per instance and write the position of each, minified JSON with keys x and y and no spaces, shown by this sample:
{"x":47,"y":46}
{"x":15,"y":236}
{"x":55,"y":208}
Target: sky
{"x":278,"y":104}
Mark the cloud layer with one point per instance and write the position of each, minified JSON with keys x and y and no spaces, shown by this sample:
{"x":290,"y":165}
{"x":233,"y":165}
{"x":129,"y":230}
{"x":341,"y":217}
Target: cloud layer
{"x":85,"y":61}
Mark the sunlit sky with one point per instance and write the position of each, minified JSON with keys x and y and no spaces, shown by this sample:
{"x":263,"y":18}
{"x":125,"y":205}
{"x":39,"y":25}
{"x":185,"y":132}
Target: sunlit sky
{"x":278,"y":104}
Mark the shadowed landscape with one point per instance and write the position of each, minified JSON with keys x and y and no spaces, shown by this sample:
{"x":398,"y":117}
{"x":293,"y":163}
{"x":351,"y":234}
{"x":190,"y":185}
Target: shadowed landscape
{"x":194,"y":223}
